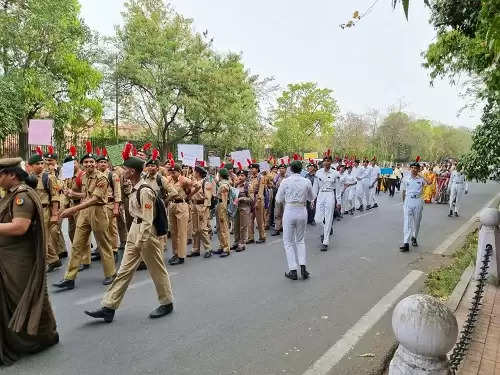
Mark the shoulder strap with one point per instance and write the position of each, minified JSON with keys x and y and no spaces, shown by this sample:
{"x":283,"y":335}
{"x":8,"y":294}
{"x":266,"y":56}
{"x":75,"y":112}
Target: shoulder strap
{"x":159,"y":182}
{"x":46,"y":184}
{"x":138,"y":193}
{"x":111,"y":182}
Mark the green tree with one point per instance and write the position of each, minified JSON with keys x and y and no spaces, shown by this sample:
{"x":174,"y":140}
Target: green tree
{"x":180,"y":89}
{"x":44,"y":58}
{"x":304,"y":114}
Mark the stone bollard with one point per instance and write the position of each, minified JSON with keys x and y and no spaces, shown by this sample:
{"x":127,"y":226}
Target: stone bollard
{"x":489,"y":234}
{"x":426,"y":331}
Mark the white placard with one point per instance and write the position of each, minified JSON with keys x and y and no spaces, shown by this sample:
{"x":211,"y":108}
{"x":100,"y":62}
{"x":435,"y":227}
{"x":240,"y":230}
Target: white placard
{"x":264,"y":166}
{"x":190,"y":160}
{"x":189,"y":151}
{"x":40,"y":132}
{"x":68,"y":170}
{"x":242,"y":157}
{"x":214,"y":161}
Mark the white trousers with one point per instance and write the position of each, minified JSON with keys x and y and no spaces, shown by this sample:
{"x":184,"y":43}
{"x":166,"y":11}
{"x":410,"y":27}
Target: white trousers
{"x":372,"y":200}
{"x":325,"y":206}
{"x":457,"y":194}
{"x":362,"y":193}
{"x":294,"y":227}
{"x":348,"y":198}
{"x":412,"y":214}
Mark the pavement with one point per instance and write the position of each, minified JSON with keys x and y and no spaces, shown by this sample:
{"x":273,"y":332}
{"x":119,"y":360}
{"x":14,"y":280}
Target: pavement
{"x":240,"y":315}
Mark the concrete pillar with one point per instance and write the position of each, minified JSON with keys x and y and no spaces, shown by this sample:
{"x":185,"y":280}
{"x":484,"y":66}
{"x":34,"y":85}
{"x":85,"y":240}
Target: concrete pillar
{"x":489,"y":233}
{"x":426,"y":330}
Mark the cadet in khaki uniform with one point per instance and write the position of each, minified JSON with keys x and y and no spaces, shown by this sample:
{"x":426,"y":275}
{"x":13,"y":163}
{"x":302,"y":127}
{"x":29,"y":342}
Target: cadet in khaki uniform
{"x":222,"y":217}
{"x":178,"y":214}
{"x":92,"y":218}
{"x":200,"y":209}
{"x":50,"y":203}
{"x":114,"y":198}
{"x":142,"y":242}
{"x":278,"y":207}
{"x":257,"y":185}
{"x":243,"y":215}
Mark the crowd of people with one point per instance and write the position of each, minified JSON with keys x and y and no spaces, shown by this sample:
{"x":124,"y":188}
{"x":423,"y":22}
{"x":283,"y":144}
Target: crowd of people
{"x":132,"y":209}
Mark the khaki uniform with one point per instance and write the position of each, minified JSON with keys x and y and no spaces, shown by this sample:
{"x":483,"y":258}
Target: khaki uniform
{"x":142,"y":243}
{"x":124,"y":220}
{"x":278,"y":208}
{"x":92,"y":219}
{"x":178,"y":216}
{"x":222,"y":217}
{"x":242,"y":218}
{"x":114,"y":196}
{"x":51,"y":228}
{"x":268,"y":210}
{"x":256,"y":192}
{"x":200,"y":208}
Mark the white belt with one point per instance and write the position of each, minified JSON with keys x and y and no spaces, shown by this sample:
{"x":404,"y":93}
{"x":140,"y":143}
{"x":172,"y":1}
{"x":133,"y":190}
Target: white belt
{"x":298,"y":204}
{"x":414,"y":196}
{"x":458,"y":183}
{"x":327,"y":191}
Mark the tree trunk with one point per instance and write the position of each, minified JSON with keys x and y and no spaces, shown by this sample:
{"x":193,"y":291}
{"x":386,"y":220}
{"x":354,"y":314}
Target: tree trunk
{"x":23,"y":140}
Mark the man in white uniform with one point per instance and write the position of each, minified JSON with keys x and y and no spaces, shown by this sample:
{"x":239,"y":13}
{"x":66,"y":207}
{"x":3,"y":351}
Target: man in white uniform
{"x":458,"y":186}
{"x":350,"y":182}
{"x":325,"y":204}
{"x":363,"y":186}
{"x":374,"y":176}
{"x":294,"y":192}
{"x":412,"y":186}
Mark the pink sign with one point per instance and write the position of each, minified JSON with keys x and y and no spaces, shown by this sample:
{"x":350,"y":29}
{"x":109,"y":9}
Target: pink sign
{"x":40,"y":132}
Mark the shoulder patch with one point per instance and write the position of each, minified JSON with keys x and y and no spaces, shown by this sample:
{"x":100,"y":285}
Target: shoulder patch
{"x":19,"y":201}
{"x":148,"y":206}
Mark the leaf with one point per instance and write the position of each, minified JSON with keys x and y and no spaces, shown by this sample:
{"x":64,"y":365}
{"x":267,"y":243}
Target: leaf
{"x":406,"y":4}
{"x":356,"y":15}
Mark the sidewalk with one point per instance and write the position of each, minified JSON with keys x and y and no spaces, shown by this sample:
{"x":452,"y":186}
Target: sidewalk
{"x":483,"y":355}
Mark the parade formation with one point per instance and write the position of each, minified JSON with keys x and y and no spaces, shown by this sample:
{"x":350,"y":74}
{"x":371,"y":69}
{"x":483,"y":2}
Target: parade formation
{"x":132,"y":209}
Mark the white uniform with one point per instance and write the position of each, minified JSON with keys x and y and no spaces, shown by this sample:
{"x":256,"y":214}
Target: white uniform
{"x":458,"y":186}
{"x":412,"y":206}
{"x":374,"y":175}
{"x":325,"y":204}
{"x":349,"y":192}
{"x":295,"y":191}
{"x":363,"y":185}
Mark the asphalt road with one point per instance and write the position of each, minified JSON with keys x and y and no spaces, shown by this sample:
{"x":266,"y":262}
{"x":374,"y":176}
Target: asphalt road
{"x":239,"y":315}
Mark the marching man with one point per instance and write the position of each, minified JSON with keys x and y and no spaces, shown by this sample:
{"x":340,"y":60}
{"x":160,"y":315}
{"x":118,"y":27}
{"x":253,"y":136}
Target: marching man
{"x":412,"y":187}
{"x":458,"y":187}
{"x":374,"y":176}
{"x":325,"y":205}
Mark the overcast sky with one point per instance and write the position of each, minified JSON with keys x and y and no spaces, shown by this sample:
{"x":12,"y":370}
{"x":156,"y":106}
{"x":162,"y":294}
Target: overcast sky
{"x":376,"y":64}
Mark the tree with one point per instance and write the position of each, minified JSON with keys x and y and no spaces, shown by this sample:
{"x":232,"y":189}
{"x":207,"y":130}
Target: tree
{"x":180,"y":89}
{"x":304,"y":114}
{"x":44,"y":58}
{"x":352,"y":135}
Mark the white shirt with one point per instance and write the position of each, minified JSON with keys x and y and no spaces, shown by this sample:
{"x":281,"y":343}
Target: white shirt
{"x":327,"y":181}
{"x":374,"y":173}
{"x":364,"y":174}
{"x":348,"y":178}
{"x":459,"y":179}
{"x":413,"y":186}
{"x":295,"y":189}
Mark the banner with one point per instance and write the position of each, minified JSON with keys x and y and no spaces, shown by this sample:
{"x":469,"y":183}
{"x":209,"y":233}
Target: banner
{"x":186,"y":152}
{"x":242,"y":157}
{"x":40,"y":132}
{"x":310,"y":155}
{"x":385,"y":171}
{"x":213,"y":161}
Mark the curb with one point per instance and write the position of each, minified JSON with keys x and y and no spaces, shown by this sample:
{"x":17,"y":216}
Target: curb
{"x":459,"y":291}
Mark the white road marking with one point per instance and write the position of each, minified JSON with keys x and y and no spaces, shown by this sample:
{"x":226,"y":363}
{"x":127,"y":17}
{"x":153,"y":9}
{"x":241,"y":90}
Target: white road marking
{"x":333,"y":355}
{"x":368,"y":213}
{"x":138,"y":284}
{"x":464,"y":228}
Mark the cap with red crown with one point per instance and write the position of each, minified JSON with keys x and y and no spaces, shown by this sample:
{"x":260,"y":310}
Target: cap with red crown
{"x":154,"y":160}
{"x":89,"y":154}
{"x":50,"y":154}
{"x":71,"y":156}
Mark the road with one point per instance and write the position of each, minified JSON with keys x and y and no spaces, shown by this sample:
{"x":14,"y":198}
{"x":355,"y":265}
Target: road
{"x":240,"y":315}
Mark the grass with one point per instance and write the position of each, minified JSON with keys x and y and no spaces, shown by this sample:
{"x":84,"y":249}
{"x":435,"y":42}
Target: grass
{"x":441,"y":282}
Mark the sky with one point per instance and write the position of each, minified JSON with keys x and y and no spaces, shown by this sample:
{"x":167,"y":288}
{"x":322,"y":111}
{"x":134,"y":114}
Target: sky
{"x":374,"y":65}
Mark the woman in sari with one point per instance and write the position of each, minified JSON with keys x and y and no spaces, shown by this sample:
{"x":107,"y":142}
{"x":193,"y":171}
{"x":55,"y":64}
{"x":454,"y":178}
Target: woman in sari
{"x":429,"y":190}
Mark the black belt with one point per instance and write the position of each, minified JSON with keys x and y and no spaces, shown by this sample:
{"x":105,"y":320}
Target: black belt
{"x":178,"y":201}
{"x":221,"y":200}
{"x":200,"y":201}
{"x":137,"y":220}
{"x":45,"y":205}
{"x":76,"y":201}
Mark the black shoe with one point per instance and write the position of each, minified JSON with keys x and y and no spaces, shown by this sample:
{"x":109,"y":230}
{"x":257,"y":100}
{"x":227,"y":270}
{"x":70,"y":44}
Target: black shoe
{"x":142,"y":266}
{"x":322,"y":237}
{"x":108,"y":280}
{"x":177,"y":261}
{"x":450,"y":214}
{"x":360,"y":208}
{"x":324,"y":248}
{"x":313,"y":223}
{"x":161,"y":310}
{"x":261,"y":241}
{"x":304,"y":273}
{"x":414,"y":242}
{"x":292,"y":275}
{"x":456,"y":214}
{"x":375,"y":205}
{"x":83,"y":267}
{"x":173,"y":259}
{"x":64,"y":254}
{"x":208,"y":254}
{"x":250,"y":241}
{"x":217,"y":252}
{"x":193,"y":254}
{"x":53,"y":266}
{"x":189,"y":242}
{"x":368,"y":207}
{"x":224,"y":254}
{"x":240,"y":249}
{"x":275,"y":233}
{"x":234,"y":247}
{"x":65,"y":284}
{"x":404,"y":248}
{"x":346,"y":212}
{"x":103,"y":313}
{"x":352,"y":211}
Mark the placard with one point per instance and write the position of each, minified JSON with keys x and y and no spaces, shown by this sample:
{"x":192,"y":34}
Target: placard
{"x":242,"y":157}
{"x":214,"y":161}
{"x":189,"y":160}
{"x":264,"y":166}
{"x":189,"y":152}
{"x":68,"y":170}
{"x":40,"y":132}
{"x":310,"y":155}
